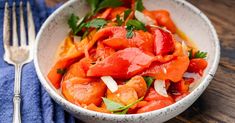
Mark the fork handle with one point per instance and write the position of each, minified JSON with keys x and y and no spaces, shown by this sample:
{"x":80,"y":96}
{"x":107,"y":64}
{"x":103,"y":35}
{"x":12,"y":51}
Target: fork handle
{"x":16,"y":115}
{"x":17,"y":98}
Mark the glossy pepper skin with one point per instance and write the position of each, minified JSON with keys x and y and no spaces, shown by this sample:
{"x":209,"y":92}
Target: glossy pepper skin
{"x":163,"y":42}
{"x":172,"y":70}
{"x":115,"y":37}
{"x":122,"y":64}
{"x":197,"y":65}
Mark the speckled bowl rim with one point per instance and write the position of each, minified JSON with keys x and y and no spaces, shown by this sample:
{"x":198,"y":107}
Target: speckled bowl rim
{"x":196,"y":92}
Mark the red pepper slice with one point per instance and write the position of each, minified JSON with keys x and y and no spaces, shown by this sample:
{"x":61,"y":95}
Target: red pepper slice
{"x":163,"y":42}
{"x":197,"y":65}
{"x":122,"y":64}
{"x":115,"y":37}
{"x":154,"y":105}
{"x":172,"y":70}
{"x":153,"y":95}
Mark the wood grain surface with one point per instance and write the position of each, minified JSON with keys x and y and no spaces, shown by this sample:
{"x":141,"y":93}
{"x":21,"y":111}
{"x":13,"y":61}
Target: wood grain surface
{"x":217,"y":103}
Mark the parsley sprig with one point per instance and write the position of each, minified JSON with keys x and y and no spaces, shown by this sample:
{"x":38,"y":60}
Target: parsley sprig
{"x":119,"y":20}
{"x":118,"y":108}
{"x":149,"y":80}
{"x":134,"y":25}
{"x":127,"y":13}
{"x":130,"y":32}
{"x":198,"y":54}
{"x":96,"y":23}
{"x":77,"y":25}
{"x":72,"y":22}
{"x":97,"y":5}
{"x":139,"y":5}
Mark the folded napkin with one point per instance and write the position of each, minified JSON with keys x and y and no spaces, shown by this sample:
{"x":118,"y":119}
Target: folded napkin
{"x":36,"y":104}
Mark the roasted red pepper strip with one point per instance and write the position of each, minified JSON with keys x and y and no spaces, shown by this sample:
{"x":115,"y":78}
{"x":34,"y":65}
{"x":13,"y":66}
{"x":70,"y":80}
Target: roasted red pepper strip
{"x":163,"y":42}
{"x":172,"y":70}
{"x":154,"y":105}
{"x":70,"y":57}
{"x":180,"y":87}
{"x":197,"y":65}
{"x":122,"y":64}
{"x":153,"y":95}
{"x":115,"y":37}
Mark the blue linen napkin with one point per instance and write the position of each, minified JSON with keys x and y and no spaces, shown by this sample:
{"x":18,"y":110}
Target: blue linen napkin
{"x":36,"y":104}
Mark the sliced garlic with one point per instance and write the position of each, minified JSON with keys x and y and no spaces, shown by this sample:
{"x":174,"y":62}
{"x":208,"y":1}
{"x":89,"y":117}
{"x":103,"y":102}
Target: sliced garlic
{"x":160,"y":87}
{"x":110,"y":83}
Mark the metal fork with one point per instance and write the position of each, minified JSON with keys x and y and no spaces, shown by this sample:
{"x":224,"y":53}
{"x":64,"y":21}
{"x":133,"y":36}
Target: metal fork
{"x":18,"y":53}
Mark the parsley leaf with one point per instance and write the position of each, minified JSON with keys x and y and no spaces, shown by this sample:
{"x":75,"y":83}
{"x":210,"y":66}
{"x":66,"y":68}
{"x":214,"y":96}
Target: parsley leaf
{"x":136,"y":24}
{"x":96,"y":23}
{"x":126,"y":13}
{"x":61,"y":71}
{"x":119,"y":20}
{"x":200,"y":54}
{"x":118,"y":108}
{"x":111,"y":105}
{"x":108,"y":3}
{"x":93,"y":4}
{"x":139,"y":5}
{"x":149,"y":80}
{"x":130,"y":32}
{"x":128,"y":106}
{"x":72,"y":22}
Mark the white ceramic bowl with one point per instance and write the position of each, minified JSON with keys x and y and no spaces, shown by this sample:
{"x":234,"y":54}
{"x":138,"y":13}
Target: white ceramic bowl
{"x":187,"y":17}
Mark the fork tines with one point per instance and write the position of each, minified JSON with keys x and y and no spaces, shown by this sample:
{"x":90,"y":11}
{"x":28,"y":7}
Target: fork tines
{"x":7,"y":23}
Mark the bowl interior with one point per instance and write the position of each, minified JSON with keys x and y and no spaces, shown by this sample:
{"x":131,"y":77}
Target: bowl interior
{"x":56,"y":30}
{"x":190,"y":20}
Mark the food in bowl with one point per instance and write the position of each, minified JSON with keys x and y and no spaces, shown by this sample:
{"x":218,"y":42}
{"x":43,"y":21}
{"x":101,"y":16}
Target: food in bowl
{"x":122,"y":58}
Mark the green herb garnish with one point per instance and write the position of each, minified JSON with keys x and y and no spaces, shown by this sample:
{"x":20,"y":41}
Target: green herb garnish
{"x":111,"y":105}
{"x":126,"y":13}
{"x":200,"y":54}
{"x":130,"y":32}
{"x":61,"y":71}
{"x":97,"y":5}
{"x":118,"y":108}
{"x":190,"y":55}
{"x":149,"y":80}
{"x":96,"y":23}
{"x":93,"y":4}
{"x":72,"y":22}
{"x":136,"y":24}
{"x":119,"y":20}
{"x":139,"y":5}
{"x":76,"y":25}
{"x":108,"y":3}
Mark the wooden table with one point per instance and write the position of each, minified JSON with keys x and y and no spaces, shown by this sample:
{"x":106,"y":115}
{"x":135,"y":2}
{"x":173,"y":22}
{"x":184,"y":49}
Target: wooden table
{"x":217,"y":103}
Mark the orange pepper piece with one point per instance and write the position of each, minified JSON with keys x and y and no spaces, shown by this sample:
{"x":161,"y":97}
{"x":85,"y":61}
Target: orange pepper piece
{"x":139,"y":84}
{"x":79,"y":91}
{"x":172,"y":70}
{"x":73,"y":55}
